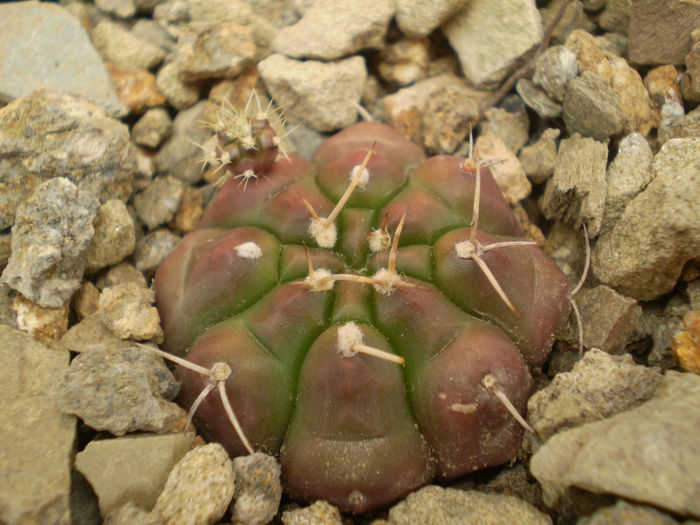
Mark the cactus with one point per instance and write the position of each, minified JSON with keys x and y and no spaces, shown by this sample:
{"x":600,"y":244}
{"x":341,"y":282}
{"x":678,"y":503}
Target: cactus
{"x":378,"y":325}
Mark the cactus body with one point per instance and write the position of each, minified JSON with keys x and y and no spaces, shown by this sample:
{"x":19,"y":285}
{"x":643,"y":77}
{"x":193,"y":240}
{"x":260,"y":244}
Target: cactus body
{"x":356,"y":430}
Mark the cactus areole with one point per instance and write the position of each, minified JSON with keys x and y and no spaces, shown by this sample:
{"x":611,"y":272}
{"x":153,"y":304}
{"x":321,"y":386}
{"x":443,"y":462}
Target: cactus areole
{"x":289,"y":290}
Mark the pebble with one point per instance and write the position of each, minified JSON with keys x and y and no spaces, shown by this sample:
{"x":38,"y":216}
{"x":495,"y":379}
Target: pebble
{"x":52,"y":231}
{"x":114,"y":237}
{"x":628,"y":514}
{"x":122,"y":48}
{"x":31,"y":36}
{"x":433,"y":504}
{"x":119,"y":8}
{"x":490,"y":37}
{"x":39,"y":321}
{"x":92,"y":333}
{"x":615,"y":43}
{"x":538,"y":159}
{"x":687,"y":126}
{"x":64,"y":135}
{"x":626,"y":453}
{"x":127,"y":310}
{"x":575,"y":192}
{"x":130,"y":468}
{"x":660,"y":30}
{"x":447,"y":116}
{"x":190,"y":211}
{"x":662,"y":85}
{"x":318,"y":94}
{"x":537,"y":99}
{"x":123,"y":272}
{"x":120,"y":390}
{"x":592,"y":108}
{"x":599,"y":386}
{"x":154,"y":33}
{"x":319,"y":513}
{"x":157,"y":204}
{"x":628,"y":174}
{"x":364,"y":24}
{"x":86,"y":301}
{"x":178,"y":93}
{"x":645,"y":252}
{"x":153,"y":248}
{"x":509,"y":122}
{"x":152,"y":128}
{"x":508,"y":173}
{"x":258,"y":489}
{"x":136,"y":88}
{"x":404,"y":62}
{"x":37,"y":439}
{"x":554,"y":69}
{"x":572,"y":19}
{"x":199,"y":488}
{"x":420,"y":18}
{"x":616,"y":16}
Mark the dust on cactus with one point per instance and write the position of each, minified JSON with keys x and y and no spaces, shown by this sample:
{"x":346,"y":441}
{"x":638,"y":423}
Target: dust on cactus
{"x":374,"y":314}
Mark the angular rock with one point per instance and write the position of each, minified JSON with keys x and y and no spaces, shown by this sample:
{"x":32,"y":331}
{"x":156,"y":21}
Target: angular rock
{"x":86,"y":300}
{"x":626,"y":513}
{"x":157,"y":204}
{"x":554,"y":69}
{"x":509,"y":122}
{"x":92,"y":333}
{"x":405,"y":62}
{"x":659,"y":230}
{"x":509,"y":174}
{"x":433,"y":504}
{"x":616,"y":15}
{"x":316,"y":35}
{"x":258,"y":489}
{"x":215,"y":50}
{"x":51,"y":234}
{"x":169,"y":81}
{"x":687,"y":126}
{"x":152,"y":128}
{"x":592,"y":108}
{"x":420,"y":18}
{"x":628,"y":174}
{"x":131,"y":468}
{"x":615,"y":43}
{"x":152,"y":32}
{"x":120,"y":47}
{"x":599,"y":386}
{"x":538,"y":159}
{"x":38,"y":321}
{"x":190,"y":211}
{"x":153,"y":248}
{"x":646,"y":454}
{"x":490,"y":37}
{"x":317,"y":94}
{"x":199,"y":488}
{"x":120,"y":390}
{"x":127,"y":310}
{"x":56,"y":134}
{"x":576,"y":191}
{"x":114,"y":238}
{"x":660,"y":30}
{"x":44,"y":46}
{"x":136,"y":88}
{"x":447,"y":116}
{"x":572,"y":19}
{"x":537,"y":99}
{"x":319,"y":513}
{"x":121,"y":273}
{"x":37,"y":439}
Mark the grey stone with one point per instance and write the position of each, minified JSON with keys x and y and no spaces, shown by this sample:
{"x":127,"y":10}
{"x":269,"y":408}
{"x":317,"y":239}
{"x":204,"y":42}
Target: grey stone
{"x":537,"y":99}
{"x":56,"y":134}
{"x":157,"y":204}
{"x":623,"y":512}
{"x":119,"y":46}
{"x":215,"y":50}
{"x":127,"y":310}
{"x":659,"y":230}
{"x":317,"y":35}
{"x":538,"y":159}
{"x":576,"y":191}
{"x":592,"y":108}
{"x":420,"y":18}
{"x":43,"y":46}
{"x":153,"y":248}
{"x":554,"y":69}
{"x":598,"y":386}
{"x":437,"y":505}
{"x":120,"y":390}
{"x":114,"y":238}
{"x":628,"y":174}
{"x":91,"y":333}
{"x":179,"y":156}
{"x":123,"y":272}
{"x":509,"y":122}
{"x":169,"y":81}
{"x":647,"y":454}
{"x":119,"y":8}
{"x":37,"y":439}
{"x":317,"y":94}
{"x":490,"y":37}
{"x":258,"y":489}
{"x":152,"y":128}
{"x":49,"y":240}
{"x":319,"y":513}
{"x":199,"y":488}
{"x":131,"y":468}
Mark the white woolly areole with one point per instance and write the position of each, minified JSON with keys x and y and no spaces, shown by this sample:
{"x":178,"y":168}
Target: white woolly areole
{"x":363,"y":178}
{"x":248,"y":250}
{"x":387,"y":281}
{"x":379,"y":240}
{"x":349,"y":335}
{"x":464,"y":249}
{"x":321,"y":280}
{"x":324,"y":233}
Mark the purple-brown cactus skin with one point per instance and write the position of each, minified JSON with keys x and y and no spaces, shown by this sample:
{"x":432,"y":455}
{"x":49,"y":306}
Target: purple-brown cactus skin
{"x":356,"y":430}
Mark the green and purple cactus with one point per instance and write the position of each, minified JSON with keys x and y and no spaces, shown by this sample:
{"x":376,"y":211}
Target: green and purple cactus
{"x":295,"y":293}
